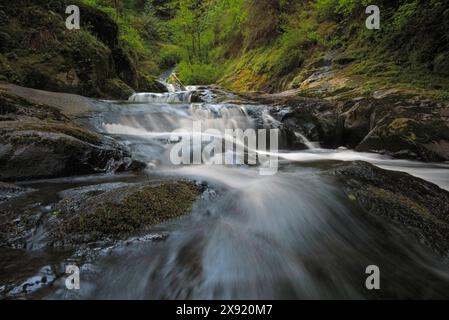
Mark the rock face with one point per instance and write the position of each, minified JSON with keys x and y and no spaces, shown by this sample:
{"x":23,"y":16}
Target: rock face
{"x":94,"y":215}
{"x":414,"y":129}
{"x":403,"y":127}
{"x":9,"y":191}
{"x":315,"y":119}
{"x":412,"y":204}
{"x":39,"y":141}
{"x":52,"y":151}
{"x":98,"y":214}
{"x":38,"y":51}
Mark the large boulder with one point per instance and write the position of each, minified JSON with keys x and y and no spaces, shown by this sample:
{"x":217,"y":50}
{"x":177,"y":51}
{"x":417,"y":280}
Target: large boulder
{"x":38,"y":51}
{"x":415,"y":206}
{"x":317,"y":120}
{"x":412,"y":138}
{"x":31,"y":151}
{"x":9,"y":191}
{"x":403,"y":128}
{"x":41,"y":141}
{"x":408,"y":127}
{"x":96,"y":214}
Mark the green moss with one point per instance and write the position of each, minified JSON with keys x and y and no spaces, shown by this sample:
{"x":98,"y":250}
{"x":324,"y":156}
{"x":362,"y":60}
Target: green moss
{"x":201,"y":74}
{"x":37,"y":50}
{"x":64,"y":128}
{"x":417,"y":131}
{"x":396,"y":199}
{"x":117,"y":89}
{"x":16,"y":106}
{"x":139,"y":210}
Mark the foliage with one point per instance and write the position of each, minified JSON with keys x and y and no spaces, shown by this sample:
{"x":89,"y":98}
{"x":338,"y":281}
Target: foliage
{"x":266,"y":40}
{"x":198,"y":73}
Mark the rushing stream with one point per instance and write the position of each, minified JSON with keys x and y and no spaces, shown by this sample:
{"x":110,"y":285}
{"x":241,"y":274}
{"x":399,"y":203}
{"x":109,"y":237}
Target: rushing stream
{"x":294,"y":234}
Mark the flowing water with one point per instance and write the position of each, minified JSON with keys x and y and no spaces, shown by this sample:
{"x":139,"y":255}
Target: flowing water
{"x":289,"y":235}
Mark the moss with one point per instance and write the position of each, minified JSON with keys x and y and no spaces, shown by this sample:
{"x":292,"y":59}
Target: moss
{"x":416,"y":130}
{"x":13,"y":105}
{"x":139,"y":210}
{"x":64,"y":128}
{"x":117,"y":89}
{"x":148,"y":83}
{"x":396,"y":199}
{"x":37,"y":51}
{"x":402,"y":127}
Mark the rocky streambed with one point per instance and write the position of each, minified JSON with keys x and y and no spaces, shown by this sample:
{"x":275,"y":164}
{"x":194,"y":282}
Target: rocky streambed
{"x":76,"y":189}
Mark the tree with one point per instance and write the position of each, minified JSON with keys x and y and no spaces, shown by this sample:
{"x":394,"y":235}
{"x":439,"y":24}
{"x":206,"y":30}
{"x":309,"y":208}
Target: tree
{"x":190,"y":23}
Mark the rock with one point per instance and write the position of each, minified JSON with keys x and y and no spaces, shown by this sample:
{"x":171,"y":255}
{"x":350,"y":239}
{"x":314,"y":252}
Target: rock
{"x":196,"y":97}
{"x":109,"y":213}
{"x":9,"y":191}
{"x":119,"y":90}
{"x":150,"y":84}
{"x":314,"y":119}
{"x":99,"y":215}
{"x":417,"y":207}
{"x":40,"y":141}
{"x":401,"y":126}
{"x":100,"y":24}
{"x":45,"y":277}
{"x":31,"y":151}
{"x":37,"y":51}
{"x":411,"y":138}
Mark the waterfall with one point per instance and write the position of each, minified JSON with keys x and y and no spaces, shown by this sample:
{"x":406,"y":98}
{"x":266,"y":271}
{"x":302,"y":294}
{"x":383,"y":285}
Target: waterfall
{"x":167,"y":97}
{"x":307,"y":142}
{"x":252,"y":236}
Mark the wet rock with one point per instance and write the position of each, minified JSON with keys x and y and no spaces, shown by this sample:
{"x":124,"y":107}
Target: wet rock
{"x":197,"y":97}
{"x":105,"y":216}
{"x":150,"y":84}
{"x":31,"y":151}
{"x":314,"y":119}
{"x":17,"y":227}
{"x":410,"y":138}
{"x":118,"y":89}
{"x":45,"y":277}
{"x":417,"y":207}
{"x":40,"y":141}
{"x":398,"y":125}
{"x":403,"y":128}
{"x":9,"y":191}
{"x":102,"y":215}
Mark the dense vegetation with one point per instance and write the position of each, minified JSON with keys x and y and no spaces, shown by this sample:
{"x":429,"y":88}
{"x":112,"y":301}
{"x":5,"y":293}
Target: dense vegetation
{"x":266,"y":45}
{"x":274,"y":45}
{"x":103,"y":59}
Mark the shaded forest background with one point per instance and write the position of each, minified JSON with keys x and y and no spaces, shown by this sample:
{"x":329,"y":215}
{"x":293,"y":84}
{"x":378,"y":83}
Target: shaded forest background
{"x":266,"y":45}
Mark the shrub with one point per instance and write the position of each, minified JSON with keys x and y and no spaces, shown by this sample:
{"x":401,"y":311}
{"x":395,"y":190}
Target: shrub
{"x":170,"y":56}
{"x":198,"y":74}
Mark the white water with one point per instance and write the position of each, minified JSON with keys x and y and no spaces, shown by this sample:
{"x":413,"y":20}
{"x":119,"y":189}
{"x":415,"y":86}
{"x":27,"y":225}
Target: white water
{"x":167,"y":97}
{"x":291,"y":235}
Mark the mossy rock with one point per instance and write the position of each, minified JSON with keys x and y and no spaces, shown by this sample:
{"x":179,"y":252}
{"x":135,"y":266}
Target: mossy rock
{"x":117,"y":89}
{"x":13,"y":107}
{"x":38,"y":51}
{"x":417,"y":207}
{"x":148,"y":83}
{"x":49,"y":151}
{"x":426,"y":140}
{"x":120,"y":213}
